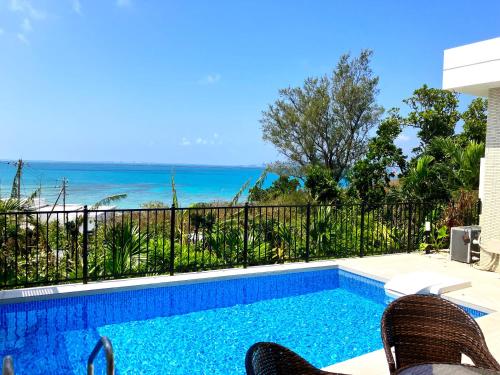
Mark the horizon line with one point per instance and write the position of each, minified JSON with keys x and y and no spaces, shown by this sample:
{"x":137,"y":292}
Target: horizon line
{"x":263,"y":165}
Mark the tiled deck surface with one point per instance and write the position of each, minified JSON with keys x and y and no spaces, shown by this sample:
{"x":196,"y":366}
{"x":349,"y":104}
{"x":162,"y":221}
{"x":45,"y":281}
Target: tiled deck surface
{"x":485,"y":292}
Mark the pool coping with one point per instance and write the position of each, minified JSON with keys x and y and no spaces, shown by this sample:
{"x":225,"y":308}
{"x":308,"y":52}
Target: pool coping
{"x":40,"y":293}
{"x":110,"y":286}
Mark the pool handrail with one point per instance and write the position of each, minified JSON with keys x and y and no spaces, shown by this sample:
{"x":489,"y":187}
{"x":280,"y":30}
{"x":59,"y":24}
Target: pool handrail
{"x":105,"y":343}
{"x":7,"y":365}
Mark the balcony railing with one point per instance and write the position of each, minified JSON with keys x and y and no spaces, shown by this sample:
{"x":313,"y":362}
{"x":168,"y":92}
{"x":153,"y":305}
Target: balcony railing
{"x":42,"y":248}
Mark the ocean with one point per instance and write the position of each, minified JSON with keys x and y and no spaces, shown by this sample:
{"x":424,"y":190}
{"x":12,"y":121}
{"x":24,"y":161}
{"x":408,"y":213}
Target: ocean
{"x":88,"y":183}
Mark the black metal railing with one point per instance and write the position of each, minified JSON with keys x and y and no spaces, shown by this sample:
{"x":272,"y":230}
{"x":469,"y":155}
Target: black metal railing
{"x":43,"y":248}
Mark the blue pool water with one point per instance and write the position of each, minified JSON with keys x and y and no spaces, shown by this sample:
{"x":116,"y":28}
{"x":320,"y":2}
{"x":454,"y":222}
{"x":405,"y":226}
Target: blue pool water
{"x":326,"y":316}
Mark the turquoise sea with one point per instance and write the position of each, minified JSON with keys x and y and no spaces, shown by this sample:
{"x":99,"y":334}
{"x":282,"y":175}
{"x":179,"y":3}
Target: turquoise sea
{"x":90,"y":182}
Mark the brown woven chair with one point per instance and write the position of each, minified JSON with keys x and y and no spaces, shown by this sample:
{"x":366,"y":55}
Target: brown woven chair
{"x":267,"y":358}
{"x":430,"y":329}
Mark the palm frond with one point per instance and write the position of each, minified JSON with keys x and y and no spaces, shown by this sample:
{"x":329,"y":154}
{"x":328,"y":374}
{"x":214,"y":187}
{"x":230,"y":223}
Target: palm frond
{"x":469,"y":165}
{"x":15,"y":192}
{"x":35,"y":194}
{"x":12,"y":204}
{"x":262,"y":178}
{"x":175,"y":201}
{"x":109,"y":199}
{"x":240,"y":192}
{"x":423,"y":164}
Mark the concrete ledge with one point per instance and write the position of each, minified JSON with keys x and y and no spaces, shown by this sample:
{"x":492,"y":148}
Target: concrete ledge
{"x":473,"y":68}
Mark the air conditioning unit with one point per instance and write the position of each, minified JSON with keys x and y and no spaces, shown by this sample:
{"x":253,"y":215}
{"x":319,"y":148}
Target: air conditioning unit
{"x":464,"y":243}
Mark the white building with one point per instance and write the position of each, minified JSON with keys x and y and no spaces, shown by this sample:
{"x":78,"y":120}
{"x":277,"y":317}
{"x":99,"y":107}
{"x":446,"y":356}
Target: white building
{"x":475,"y":69}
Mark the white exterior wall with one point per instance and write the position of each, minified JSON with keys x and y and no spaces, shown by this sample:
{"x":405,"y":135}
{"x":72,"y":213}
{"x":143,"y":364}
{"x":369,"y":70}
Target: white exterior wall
{"x":490,"y":217}
{"x":481,"y":178}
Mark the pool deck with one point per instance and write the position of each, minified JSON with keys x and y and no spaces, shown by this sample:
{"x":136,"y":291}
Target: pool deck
{"x":484,"y":292}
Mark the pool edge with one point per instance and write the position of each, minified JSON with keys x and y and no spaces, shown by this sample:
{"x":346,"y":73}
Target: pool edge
{"x":41,"y":293}
{"x":110,"y":286}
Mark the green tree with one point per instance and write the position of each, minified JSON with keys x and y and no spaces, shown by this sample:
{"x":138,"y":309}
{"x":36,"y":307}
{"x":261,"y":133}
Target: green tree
{"x":467,"y":162}
{"x":284,"y":185}
{"x":474,"y":122}
{"x":370,"y":177}
{"x":326,"y":121}
{"x":463,"y":161}
{"x":421,"y":180}
{"x":457,"y":170}
{"x":434,"y":113}
{"x":322,"y":184}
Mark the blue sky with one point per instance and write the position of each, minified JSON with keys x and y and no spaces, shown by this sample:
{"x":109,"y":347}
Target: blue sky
{"x":186,"y":81}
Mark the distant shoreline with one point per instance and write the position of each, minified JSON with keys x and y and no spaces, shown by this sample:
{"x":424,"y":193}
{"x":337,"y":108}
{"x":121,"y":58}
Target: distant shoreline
{"x":138,"y":163}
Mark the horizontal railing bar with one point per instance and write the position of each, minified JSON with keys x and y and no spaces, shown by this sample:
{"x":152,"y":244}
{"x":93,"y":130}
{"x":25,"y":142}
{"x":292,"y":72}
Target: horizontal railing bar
{"x":207,"y":208}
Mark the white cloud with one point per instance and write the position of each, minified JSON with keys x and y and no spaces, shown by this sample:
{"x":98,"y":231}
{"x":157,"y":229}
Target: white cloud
{"x":27,"y":13}
{"x":214,"y":140}
{"x":210,"y":79}
{"x":22,"y":38}
{"x":76,"y":6}
{"x":185,"y":141}
{"x":201,"y":141}
{"x":124,"y":3}
{"x":403,"y":138}
{"x":26,"y":25}
{"x":25,"y":7}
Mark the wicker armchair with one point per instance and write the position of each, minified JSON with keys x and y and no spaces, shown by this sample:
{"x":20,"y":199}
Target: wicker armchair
{"x":267,"y":358}
{"x":425,"y":329}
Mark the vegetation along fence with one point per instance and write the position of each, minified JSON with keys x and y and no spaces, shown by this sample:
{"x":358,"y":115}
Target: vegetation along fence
{"x":40,"y":248}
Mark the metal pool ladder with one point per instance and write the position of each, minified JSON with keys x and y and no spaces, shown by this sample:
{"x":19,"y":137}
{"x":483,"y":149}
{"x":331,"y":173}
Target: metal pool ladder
{"x":8,"y":365}
{"x":108,"y":351}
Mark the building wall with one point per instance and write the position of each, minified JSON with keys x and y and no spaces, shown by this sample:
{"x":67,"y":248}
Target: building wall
{"x":490,"y":217}
{"x":475,"y":69}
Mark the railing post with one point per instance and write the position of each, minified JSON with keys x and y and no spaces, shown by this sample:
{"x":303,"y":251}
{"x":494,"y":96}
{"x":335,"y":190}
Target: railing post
{"x":362,"y":234}
{"x":409,"y":240}
{"x":308,"y":229}
{"x":245,"y":237}
{"x":172,"y":239}
{"x":85,"y":244}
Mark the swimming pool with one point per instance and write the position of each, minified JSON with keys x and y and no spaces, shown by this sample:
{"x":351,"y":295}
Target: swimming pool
{"x":326,"y":316}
